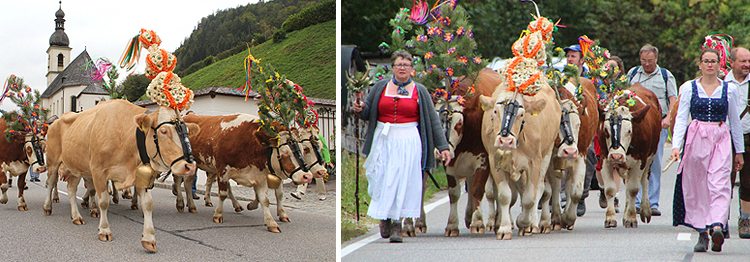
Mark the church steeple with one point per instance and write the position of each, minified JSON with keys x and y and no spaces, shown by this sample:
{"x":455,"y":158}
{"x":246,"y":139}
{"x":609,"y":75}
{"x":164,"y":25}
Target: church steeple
{"x":59,"y":37}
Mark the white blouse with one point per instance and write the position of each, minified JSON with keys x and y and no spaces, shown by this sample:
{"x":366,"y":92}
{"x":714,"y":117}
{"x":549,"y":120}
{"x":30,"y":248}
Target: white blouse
{"x":683,"y":113}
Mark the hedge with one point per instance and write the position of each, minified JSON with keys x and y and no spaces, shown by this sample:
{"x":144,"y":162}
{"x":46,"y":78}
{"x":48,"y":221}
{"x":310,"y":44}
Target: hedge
{"x":322,"y":12}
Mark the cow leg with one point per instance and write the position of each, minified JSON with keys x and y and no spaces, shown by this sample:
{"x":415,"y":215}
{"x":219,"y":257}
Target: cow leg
{"x":454,"y":193}
{"x":188,"y":184}
{"x":91,"y":191}
{"x":179,"y":202}
{"x":280,"y":212}
{"x":148,"y":241}
{"x":210,"y":179}
{"x":421,"y":223}
{"x":219,"y":211}
{"x":478,"y":182}
{"x":574,"y":191}
{"x":104,"y":232}
{"x":609,"y":191}
{"x":21,"y":185}
{"x":86,"y":196}
{"x":261,"y":193}
{"x":490,"y":189}
{"x":55,"y":195}
{"x":4,"y":188}
{"x":545,"y":222}
{"x":75,"y":215}
{"x":644,"y":176}
{"x":134,"y":201}
{"x":505,"y":228}
{"x":115,"y":194}
{"x":236,"y":204}
{"x":126,"y":194}
{"x":52,"y":177}
{"x":633,"y":178}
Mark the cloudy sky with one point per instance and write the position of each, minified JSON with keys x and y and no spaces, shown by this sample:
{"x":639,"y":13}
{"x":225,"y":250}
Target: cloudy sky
{"x":101,"y":27}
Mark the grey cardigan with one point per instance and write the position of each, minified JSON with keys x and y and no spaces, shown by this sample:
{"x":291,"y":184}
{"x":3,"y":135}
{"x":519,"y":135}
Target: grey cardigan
{"x":430,"y":130}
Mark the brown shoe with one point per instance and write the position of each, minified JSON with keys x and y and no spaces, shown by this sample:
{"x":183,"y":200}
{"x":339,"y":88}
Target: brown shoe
{"x":702,"y":244}
{"x":602,"y":199}
{"x":396,"y":232}
{"x":385,"y":228}
{"x":744,"y":227}
{"x":717,"y":239}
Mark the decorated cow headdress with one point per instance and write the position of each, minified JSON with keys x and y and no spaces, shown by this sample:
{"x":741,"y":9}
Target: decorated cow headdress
{"x":31,"y":117}
{"x":604,"y":77}
{"x":165,"y":88}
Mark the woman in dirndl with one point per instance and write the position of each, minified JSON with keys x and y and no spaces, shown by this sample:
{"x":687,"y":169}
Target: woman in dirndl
{"x":402,"y":134}
{"x":703,"y":189}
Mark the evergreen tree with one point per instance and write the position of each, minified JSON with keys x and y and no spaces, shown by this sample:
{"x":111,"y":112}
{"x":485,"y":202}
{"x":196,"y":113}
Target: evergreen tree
{"x":31,"y":117}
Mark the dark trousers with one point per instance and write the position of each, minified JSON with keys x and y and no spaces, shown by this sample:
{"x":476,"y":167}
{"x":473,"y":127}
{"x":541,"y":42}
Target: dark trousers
{"x":744,"y":173}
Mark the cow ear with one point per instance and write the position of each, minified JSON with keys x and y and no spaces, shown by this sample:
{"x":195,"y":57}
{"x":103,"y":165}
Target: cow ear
{"x":144,"y":121}
{"x":639,"y":114}
{"x":583,"y":105}
{"x":193,"y":129}
{"x":486,"y":102}
{"x":535,"y":107}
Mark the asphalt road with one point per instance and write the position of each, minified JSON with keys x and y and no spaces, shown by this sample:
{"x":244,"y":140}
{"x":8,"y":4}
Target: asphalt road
{"x":32,"y":236}
{"x":589,"y":241}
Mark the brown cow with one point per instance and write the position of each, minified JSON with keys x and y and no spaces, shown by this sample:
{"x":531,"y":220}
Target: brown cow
{"x":221,"y":142}
{"x":15,"y":157}
{"x":100,"y":143}
{"x":519,"y":150}
{"x":463,"y":122}
{"x":629,"y":135}
{"x":569,"y":155}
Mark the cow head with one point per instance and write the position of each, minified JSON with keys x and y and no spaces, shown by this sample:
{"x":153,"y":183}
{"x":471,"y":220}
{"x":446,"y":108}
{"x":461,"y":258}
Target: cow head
{"x":570,"y":125}
{"x":507,"y":112}
{"x":452,"y":119}
{"x":311,"y":150}
{"x":35,"y":146}
{"x":170,"y":149}
{"x":618,"y":127}
{"x":290,"y":160}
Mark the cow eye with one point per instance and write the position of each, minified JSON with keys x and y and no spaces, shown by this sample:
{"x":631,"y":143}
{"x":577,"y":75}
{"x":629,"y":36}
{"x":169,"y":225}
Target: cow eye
{"x":163,"y":131}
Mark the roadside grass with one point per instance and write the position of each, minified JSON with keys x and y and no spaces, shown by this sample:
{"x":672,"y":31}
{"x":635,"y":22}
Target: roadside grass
{"x":349,"y":226}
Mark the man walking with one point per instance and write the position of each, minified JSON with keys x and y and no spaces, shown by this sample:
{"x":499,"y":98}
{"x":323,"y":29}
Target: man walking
{"x":662,"y":83}
{"x":740,"y":62}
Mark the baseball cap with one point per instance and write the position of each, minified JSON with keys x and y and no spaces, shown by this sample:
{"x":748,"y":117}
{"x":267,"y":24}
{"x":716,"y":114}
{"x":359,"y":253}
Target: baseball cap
{"x":576,"y":48}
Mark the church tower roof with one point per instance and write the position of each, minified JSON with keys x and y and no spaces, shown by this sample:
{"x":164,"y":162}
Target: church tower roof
{"x":59,"y":37}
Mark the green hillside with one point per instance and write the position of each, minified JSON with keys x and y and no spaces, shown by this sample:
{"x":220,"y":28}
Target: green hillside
{"x":307,"y":57}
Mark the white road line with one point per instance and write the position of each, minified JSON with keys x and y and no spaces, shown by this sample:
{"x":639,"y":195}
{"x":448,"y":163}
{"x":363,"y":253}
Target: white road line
{"x":683,"y":236}
{"x":66,"y":193}
{"x":353,"y":247}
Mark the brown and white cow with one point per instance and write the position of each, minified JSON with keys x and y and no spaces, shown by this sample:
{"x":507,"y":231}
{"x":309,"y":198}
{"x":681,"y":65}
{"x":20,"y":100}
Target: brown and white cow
{"x":578,"y":124}
{"x":15,"y":158}
{"x":630,"y":130}
{"x":233,"y":147}
{"x":101,"y":143}
{"x":518,"y":132}
{"x":463,"y":122}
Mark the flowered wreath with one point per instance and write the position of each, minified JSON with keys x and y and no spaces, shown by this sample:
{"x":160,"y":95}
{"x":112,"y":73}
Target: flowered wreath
{"x":31,"y":117}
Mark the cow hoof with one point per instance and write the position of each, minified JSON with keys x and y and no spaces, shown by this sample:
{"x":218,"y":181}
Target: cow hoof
{"x":556,"y":227}
{"x":209,"y":204}
{"x":56,"y":200}
{"x":115,"y":201}
{"x":490,"y":228}
{"x":477,"y":230}
{"x":218,"y":219}
{"x":451,"y":232}
{"x":106,"y":237}
{"x":149,"y":245}
{"x":252,"y":205}
{"x":610,"y":223}
{"x":192,"y":210}
{"x":3,"y":200}
{"x":535,"y":230}
{"x":180,"y":209}
{"x":504,"y":236}
{"x":79,"y":221}
{"x":94,"y":213}
{"x":645,"y":218}
{"x":569,"y":227}
{"x":23,"y":208}
{"x":422,"y":229}
{"x":285,"y":219}
{"x":85,"y":205}
{"x":630,"y":224}
{"x":47,"y":212}
{"x":238,"y":209}
{"x":273,"y":229}
{"x":526,"y":231}
{"x":127,"y":196}
{"x":546,"y":230}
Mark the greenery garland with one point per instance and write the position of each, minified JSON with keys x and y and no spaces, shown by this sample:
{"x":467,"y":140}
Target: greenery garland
{"x":31,"y":117}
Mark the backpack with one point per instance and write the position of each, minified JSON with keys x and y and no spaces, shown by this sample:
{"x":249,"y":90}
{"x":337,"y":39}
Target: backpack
{"x":663,"y":75}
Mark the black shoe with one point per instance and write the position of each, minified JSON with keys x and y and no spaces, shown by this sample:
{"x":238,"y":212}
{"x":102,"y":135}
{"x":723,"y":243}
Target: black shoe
{"x":702,"y":244}
{"x":717,"y":239}
{"x":602,"y":199}
{"x":174,"y":190}
{"x":581,"y":209}
{"x":655,"y":212}
{"x":37,"y":180}
{"x":396,"y":233}
{"x":196,"y":196}
{"x":385,"y":228}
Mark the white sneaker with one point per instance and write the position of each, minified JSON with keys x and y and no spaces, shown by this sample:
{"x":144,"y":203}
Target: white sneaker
{"x":296,"y":195}
{"x":322,"y":197}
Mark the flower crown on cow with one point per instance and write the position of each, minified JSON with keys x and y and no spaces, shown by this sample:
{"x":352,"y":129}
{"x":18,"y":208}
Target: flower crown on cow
{"x":604,"y":77}
{"x":281,"y":99}
{"x":523,"y":73}
{"x":165,"y":88}
{"x":31,"y":117}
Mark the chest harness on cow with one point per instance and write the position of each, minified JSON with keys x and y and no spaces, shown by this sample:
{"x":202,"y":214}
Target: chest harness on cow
{"x":37,"y":148}
{"x":446,"y":118}
{"x":509,"y":116}
{"x":314,"y":142}
{"x":615,"y":127}
{"x":182,"y":133}
{"x":294,"y":146}
{"x":566,"y":128}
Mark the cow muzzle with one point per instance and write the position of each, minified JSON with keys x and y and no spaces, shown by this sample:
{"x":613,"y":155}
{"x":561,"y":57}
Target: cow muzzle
{"x":617,"y":158}
{"x":505,"y":143}
{"x":569,"y":153}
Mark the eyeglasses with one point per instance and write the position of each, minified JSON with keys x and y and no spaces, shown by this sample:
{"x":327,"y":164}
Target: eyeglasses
{"x":650,"y":61}
{"x":709,"y":61}
{"x":402,"y":66}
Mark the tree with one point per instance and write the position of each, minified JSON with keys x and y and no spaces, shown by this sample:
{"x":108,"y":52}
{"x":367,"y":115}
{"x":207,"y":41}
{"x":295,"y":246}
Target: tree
{"x":135,"y":86}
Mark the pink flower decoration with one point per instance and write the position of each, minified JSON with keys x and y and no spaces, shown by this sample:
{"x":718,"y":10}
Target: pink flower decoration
{"x":419,"y":12}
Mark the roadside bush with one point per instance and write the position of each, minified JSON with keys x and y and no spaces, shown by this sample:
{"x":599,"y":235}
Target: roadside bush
{"x":322,"y":12}
{"x":279,"y":36}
